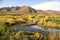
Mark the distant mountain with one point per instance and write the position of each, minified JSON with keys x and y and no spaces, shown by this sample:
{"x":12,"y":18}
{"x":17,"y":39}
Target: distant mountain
{"x":52,"y":12}
{"x":27,"y":10}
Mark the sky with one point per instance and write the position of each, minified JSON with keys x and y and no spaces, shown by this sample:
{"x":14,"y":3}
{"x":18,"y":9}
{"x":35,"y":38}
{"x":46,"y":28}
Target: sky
{"x":36,"y":4}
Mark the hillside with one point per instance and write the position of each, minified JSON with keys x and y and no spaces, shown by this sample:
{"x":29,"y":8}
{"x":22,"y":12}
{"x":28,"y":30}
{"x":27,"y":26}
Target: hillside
{"x":27,"y":10}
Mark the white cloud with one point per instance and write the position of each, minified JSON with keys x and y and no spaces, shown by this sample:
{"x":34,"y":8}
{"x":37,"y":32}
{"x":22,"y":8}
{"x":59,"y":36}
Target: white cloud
{"x":53,"y":5}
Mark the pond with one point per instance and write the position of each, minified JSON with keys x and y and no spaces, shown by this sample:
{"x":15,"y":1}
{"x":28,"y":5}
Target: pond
{"x":35,"y":28}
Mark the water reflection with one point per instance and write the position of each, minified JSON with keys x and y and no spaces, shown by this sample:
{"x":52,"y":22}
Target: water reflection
{"x":35,"y":28}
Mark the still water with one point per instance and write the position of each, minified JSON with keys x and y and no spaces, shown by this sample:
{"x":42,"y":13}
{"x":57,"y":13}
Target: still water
{"x":35,"y":28}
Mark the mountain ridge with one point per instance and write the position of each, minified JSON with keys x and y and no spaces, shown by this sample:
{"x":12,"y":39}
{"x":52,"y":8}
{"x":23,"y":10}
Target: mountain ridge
{"x":27,"y":10}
